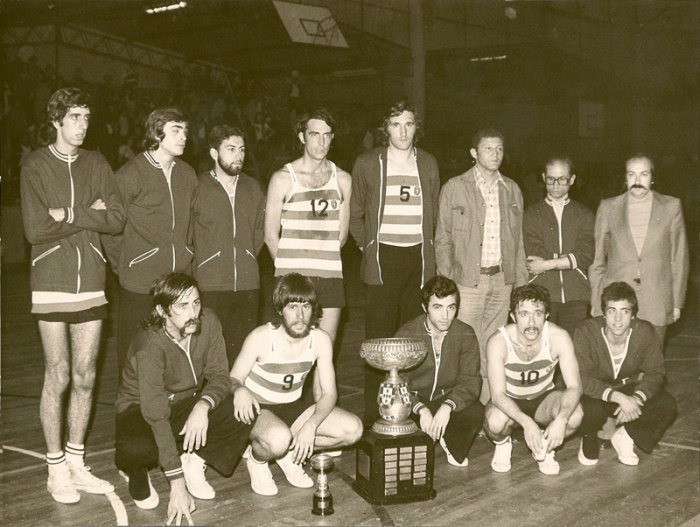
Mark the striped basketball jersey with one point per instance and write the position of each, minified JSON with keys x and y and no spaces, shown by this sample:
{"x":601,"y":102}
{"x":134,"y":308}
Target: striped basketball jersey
{"x":310,"y":239}
{"x":402,"y":220}
{"x":278,"y":380}
{"x":528,"y":380}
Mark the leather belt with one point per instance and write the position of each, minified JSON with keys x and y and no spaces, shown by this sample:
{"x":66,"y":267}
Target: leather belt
{"x":490,"y":271}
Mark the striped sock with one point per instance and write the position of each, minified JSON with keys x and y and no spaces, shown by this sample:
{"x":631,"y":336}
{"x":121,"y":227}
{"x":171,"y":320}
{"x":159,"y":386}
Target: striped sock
{"x":55,"y":458}
{"x":75,"y":454}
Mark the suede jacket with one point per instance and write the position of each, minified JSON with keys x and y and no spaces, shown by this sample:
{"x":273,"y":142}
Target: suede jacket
{"x":460,"y":231}
{"x":369,"y":179}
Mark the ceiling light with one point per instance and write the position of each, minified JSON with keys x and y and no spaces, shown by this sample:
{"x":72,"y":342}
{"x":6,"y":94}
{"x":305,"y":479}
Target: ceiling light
{"x":165,"y":8}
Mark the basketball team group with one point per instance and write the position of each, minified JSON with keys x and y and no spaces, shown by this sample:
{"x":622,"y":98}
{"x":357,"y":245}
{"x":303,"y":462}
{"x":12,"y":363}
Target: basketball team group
{"x":549,"y":319}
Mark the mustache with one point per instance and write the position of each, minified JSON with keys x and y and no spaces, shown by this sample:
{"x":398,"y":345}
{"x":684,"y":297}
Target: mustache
{"x":639,"y":185}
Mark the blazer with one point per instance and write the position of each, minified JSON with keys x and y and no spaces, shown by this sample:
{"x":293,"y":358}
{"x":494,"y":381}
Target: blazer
{"x":659,"y":274}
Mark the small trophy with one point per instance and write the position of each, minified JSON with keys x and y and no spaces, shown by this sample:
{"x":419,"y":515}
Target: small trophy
{"x":323,"y":500}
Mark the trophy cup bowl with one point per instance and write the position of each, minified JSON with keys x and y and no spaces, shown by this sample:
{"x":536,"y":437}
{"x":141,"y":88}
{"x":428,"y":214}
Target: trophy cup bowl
{"x":393,"y":354}
{"x":323,"y":499}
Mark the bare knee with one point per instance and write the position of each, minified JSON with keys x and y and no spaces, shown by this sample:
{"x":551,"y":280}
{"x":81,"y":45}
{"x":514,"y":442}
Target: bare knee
{"x":83,"y":380}
{"x":271,"y":445}
{"x":351,"y":430}
{"x":496,"y":424}
{"x":56,"y":378}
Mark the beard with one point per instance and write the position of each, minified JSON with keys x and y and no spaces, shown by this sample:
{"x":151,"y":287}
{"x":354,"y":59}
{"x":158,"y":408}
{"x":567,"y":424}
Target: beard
{"x":232,"y":169}
{"x":296,"y":334}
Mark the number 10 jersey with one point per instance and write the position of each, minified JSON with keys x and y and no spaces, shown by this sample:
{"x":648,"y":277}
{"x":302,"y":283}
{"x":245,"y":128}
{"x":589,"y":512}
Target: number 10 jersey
{"x":529,"y":379}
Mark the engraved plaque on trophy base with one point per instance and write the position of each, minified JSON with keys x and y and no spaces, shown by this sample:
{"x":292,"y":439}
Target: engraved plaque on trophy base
{"x":395,"y":469}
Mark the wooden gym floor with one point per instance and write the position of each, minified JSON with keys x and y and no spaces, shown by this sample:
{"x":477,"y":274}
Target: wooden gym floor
{"x":662,"y":491}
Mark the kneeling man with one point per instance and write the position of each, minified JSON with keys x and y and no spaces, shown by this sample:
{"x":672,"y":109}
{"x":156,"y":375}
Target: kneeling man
{"x":522,"y":358}
{"x":174,"y":405}
{"x":622,"y":372}
{"x":266,"y":383}
{"x":445,"y":387}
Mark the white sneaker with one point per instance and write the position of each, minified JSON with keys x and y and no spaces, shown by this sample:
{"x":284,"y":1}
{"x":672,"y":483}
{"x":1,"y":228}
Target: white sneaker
{"x":451,"y":460}
{"x":149,"y":503}
{"x":193,"y":469}
{"x":501,"y":456}
{"x":260,"y":476}
{"x":549,"y":465}
{"x":83,"y":480}
{"x":624,"y":446}
{"x":295,"y":473}
{"x":60,"y":485}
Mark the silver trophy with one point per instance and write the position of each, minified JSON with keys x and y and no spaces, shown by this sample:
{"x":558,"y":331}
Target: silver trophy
{"x":393,"y":398}
{"x":323,"y":499}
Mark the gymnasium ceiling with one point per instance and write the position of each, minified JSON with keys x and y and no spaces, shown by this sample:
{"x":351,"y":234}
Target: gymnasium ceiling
{"x":650,"y":41}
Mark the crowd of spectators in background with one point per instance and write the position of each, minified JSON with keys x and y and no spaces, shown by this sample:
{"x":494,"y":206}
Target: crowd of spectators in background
{"x":267,"y":109}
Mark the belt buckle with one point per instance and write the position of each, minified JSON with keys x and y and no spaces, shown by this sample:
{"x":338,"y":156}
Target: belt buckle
{"x":492,"y":270}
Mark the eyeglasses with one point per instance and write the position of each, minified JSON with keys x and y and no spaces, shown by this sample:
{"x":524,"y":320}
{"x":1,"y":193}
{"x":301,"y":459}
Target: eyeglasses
{"x":563,"y":180}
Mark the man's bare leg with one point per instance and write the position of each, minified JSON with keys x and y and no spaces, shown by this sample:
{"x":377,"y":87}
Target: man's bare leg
{"x":54,"y":340}
{"x":85,"y":345}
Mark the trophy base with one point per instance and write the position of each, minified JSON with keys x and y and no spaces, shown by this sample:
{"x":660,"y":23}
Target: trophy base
{"x":387,"y":428}
{"x":323,"y":505}
{"x":394,"y":469}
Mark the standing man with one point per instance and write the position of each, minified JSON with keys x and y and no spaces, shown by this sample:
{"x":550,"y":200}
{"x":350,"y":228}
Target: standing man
{"x":392,"y":218}
{"x":173,"y":405}
{"x":266,"y":383}
{"x":478,"y":241}
{"x":68,"y":197}
{"x":445,"y":387}
{"x":309,"y":199}
{"x":640,"y":239}
{"x":227,"y":233}
{"x":559,"y":244}
{"x":622,"y":370}
{"x":157,"y":194}
{"x":522,"y":358}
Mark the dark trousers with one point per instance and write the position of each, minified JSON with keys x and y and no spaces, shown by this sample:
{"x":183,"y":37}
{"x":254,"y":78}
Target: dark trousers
{"x":389,"y":306}
{"x":238,"y":314}
{"x":134,"y":308}
{"x":569,"y":315}
{"x":658,"y":413}
{"x":462,"y":429}
{"x":136,"y":450}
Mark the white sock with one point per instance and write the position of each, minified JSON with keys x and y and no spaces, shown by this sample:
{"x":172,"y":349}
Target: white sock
{"x":75,"y":454}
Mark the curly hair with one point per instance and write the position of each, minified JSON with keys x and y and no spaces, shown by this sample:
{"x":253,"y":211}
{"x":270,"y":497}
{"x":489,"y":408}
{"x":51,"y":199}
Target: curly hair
{"x":223,"y":131}
{"x":294,"y":287}
{"x":484,"y":133}
{"x":395,"y":110}
{"x":63,"y":100}
{"x":155,"y":123}
{"x":532,"y":292}
{"x":619,"y":291}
